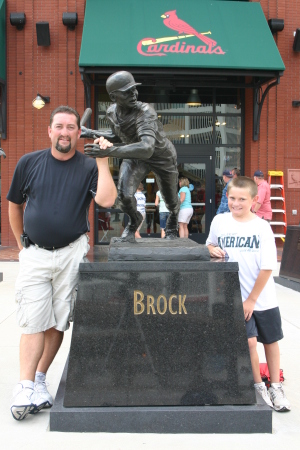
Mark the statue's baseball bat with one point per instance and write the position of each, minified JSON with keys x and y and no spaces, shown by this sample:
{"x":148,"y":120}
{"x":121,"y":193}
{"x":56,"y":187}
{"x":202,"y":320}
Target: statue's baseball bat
{"x":86,"y":116}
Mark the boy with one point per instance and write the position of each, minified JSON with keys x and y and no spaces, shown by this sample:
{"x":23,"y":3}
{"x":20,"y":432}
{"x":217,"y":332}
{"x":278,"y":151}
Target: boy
{"x":249,"y":240}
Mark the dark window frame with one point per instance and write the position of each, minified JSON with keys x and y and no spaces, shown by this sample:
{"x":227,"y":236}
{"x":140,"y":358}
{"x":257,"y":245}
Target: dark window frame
{"x":3,"y":109}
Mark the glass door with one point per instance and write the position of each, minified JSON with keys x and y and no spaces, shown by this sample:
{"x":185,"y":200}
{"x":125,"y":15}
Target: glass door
{"x":198,"y":170}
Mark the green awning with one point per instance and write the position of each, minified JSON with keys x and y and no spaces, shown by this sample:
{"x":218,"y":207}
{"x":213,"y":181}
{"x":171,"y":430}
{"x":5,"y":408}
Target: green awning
{"x":194,"y":34}
{"x":2,"y":42}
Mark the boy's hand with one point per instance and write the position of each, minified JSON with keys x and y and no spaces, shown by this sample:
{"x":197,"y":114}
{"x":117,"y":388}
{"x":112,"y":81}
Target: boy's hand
{"x":216,"y":252}
{"x":248,"y":306}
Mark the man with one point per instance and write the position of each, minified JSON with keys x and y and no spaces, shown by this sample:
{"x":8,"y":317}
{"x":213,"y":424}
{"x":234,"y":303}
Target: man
{"x":58,"y":185}
{"x":262,"y":207}
{"x":146,"y":149}
{"x":235,"y":172}
{"x":223,"y":207}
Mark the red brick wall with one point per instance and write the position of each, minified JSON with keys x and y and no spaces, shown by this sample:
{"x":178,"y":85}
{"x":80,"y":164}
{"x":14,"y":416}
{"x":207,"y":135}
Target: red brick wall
{"x":33,"y":69}
{"x":279,"y":140}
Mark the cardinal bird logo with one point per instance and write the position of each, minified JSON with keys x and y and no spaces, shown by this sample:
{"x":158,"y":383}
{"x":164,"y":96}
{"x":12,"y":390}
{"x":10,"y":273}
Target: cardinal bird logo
{"x":160,"y":46}
{"x":172,"y":21}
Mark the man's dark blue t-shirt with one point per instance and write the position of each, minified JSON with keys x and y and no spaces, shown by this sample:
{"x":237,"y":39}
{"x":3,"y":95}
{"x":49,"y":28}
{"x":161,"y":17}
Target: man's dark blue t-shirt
{"x":57,"y":195}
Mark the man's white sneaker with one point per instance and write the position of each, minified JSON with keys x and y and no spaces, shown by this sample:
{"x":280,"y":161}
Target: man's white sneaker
{"x":43,"y":398}
{"x":263,"y":392}
{"x":279,"y":400}
{"x":23,"y":402}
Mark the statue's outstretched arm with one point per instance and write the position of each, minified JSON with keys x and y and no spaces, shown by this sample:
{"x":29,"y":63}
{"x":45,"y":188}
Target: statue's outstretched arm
{"x":87,"y":133}
{"x":138,"y":150}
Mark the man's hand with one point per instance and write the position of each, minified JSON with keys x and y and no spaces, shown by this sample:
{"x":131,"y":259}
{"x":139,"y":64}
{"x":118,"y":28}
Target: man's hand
{"x":103,"y":143}
{"x":216,"y":252}
{"x":248,"y":306}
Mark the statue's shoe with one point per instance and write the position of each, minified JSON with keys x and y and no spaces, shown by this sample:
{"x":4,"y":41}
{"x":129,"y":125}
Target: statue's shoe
{"x":128,"y":237}
{"x":171,"y":234}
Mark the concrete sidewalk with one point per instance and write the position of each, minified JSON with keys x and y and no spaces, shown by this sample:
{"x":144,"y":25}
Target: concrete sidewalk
{"x":33,"y":431}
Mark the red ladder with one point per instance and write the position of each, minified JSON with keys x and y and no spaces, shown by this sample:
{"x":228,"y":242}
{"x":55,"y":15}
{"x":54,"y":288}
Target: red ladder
{"x":275,"y":180}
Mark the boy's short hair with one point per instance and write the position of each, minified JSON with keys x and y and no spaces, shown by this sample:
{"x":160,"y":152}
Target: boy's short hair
{"x":66,"y":110}
{"x":236,"y":171}
{"x":184,"y":181}
{"x":243,"y":183}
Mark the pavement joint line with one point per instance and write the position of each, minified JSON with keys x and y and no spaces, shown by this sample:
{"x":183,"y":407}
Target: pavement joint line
{"x":291,"y":323}
{"x":7,"y":317}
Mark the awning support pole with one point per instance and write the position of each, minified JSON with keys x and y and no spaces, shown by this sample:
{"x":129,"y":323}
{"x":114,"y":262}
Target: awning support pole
{"x":258,"y":104}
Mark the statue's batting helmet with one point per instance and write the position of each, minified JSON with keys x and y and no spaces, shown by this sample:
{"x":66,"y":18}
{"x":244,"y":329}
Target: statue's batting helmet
{"x":120,"y":81}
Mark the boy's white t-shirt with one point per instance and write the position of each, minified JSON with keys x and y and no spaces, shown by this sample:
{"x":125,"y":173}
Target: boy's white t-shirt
{"x":252,"y":245}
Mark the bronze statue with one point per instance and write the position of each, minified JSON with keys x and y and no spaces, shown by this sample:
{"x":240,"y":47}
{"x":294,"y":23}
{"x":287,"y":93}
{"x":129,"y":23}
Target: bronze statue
{"x":145,"y":149}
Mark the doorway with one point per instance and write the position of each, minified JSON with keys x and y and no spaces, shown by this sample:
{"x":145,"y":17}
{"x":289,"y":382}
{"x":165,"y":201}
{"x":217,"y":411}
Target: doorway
{"x":199,"y":171}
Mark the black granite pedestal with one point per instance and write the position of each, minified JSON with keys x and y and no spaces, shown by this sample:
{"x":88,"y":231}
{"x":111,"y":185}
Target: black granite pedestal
{"x":159,"y":347}
{"x":289,"y":275}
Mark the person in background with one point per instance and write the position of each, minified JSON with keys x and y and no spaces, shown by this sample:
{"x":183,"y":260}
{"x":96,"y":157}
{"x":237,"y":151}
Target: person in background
{"x":262,"y":207}
{"x":140,"y":206}
{"x":163,"y":213}
{"x":186,"y":210}
{"x":235,"y":172}
{"x":58,"y":185}
{"x":223,"y":207}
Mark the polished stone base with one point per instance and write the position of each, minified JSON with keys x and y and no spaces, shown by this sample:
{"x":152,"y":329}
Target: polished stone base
{"x":152,"y":249}
{"x":159,"y":347}
{"x":290,"y":261}
{"x":156,"y":333}
{"x":224,"y":419}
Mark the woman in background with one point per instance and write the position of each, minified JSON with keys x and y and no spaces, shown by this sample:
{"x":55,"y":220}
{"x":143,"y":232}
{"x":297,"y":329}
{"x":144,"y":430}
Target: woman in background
{"x":186,"y":209}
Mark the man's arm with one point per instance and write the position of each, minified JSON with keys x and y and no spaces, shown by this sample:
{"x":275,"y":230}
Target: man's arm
{"x":256,"y":207}
{"x":259,"y":284}
{"x":223,"y":207}
{"x":15,"y":214}
{"x":143,"y":150}
{"x":260,"y":199}
{"x":106,"y":190}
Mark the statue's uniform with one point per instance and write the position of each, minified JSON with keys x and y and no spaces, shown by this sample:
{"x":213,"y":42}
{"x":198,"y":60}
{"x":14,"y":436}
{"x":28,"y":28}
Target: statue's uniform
{"x":144,"y":122}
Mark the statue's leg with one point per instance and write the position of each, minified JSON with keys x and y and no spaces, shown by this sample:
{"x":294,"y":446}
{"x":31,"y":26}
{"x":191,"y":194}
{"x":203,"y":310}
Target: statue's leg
{"x":131,"y":174}
{"x":168,"y":182}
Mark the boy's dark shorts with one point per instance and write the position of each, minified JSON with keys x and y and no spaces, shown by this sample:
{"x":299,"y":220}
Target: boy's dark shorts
{"x":265,"y":325}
